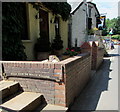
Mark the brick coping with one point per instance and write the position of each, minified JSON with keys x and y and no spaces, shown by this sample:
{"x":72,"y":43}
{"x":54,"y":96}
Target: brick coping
{"x":40,"y":62}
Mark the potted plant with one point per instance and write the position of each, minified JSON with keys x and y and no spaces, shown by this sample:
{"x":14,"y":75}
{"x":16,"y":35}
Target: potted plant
{"x":57,"y":46}
{"x":90,"y":32}
{"x":93,"y":32}
{"x":42,"y":47}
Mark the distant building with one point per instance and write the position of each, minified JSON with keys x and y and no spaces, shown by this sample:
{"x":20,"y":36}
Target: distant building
{"x":84,"y":17}
{"x":119,"y":8}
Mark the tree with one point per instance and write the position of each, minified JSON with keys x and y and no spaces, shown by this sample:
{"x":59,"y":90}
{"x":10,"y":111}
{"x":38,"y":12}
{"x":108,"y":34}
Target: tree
{"x":111,"y":23}
{"x":117,"y":26}
{"x":12,"y":25}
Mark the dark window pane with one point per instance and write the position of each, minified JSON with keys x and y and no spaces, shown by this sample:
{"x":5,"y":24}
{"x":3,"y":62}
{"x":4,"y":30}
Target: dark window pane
{"x":89,"y":23}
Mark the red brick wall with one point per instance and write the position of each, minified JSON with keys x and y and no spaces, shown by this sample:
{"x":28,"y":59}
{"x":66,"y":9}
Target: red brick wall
{"x":59,"y":82}
{"x":100,"y":54}
{"x":40,"y":83}
{"x":77,"y":74}
{"x":35,"y":85}
{"x":94,"y":56}
{"x":96,"y":53}
{"x":86,"y":47}
{"x":97,"y":57}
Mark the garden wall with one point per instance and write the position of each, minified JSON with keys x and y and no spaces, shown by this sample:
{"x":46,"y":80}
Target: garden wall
{"x":96,"y":52}
{"x":100,"y":54}
{"x":97,"y":55}
{"x":60,"y":82}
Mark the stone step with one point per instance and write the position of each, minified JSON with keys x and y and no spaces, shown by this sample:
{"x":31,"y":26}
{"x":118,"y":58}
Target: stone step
{"x":51,"y":108}
{"x":24,"y":102}
{"x":54,"y":108}
{"x":8,"y":88}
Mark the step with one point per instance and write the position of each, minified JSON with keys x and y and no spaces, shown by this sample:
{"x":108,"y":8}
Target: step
{"x":26,"y":101}
{"x":8,"y":88}
{"x":54,"y":107}
{"x":50,"y":108}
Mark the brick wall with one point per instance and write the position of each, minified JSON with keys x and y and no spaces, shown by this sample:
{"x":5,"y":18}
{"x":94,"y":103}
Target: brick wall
{"x":77,"y":74}
{"x":86,"y":47}
{"x":100,"y":54}
{"x":59,"y":82}
{"x":96,"y":53}
{"x":94,"y":56}
{"x":97,"y":56}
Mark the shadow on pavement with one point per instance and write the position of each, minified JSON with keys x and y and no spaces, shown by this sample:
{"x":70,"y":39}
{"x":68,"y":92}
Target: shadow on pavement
{"x":88,"y":99}
{"x":112,"y":55}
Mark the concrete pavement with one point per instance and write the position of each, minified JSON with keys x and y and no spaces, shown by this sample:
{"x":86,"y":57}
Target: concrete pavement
{"x":101,"y":93}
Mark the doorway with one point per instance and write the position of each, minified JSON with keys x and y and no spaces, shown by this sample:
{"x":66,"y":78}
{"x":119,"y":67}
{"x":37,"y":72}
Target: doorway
{"x":44,"y":25}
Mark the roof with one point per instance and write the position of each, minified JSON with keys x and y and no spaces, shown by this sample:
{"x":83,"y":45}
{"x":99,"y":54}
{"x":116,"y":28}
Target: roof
{"x":94,"y":6}
{"x":75,"y":5}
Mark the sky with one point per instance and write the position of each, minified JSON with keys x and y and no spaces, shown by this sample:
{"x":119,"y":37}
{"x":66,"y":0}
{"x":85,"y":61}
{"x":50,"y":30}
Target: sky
{"x":108,"y":7}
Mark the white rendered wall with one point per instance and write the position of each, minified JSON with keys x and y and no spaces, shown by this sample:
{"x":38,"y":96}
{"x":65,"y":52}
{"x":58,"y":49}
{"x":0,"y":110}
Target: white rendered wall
{"x":79,"y":26}
{"x":93,"y":16}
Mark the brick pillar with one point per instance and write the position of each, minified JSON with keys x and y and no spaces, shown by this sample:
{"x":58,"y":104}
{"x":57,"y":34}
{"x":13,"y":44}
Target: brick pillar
{"x":94,"y":56}
{"x":86,"y":47}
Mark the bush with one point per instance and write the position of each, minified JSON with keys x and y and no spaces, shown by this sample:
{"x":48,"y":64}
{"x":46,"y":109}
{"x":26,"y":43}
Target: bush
{"x":12,"y":26}
{"x":43,"y":44}
{"x":70,"y":52}
{"x":57,"y":43}
{"x":116,"y":37}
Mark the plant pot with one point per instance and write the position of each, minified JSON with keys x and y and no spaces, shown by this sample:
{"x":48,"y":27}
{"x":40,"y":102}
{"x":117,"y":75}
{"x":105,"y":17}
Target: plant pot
{"x":42,"y":56}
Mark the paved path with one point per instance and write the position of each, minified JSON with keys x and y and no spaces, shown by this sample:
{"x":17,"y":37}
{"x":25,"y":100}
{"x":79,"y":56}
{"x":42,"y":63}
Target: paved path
{"x":101,"y":93}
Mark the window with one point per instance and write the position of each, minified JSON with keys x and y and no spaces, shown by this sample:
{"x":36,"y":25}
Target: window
{"x":44,"y":25}
{"x":89,"y":13}
{"x":89,"y":23}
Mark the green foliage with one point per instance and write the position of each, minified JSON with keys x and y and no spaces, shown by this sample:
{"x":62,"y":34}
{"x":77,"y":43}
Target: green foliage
{"x":113,"y":23}
{"x":116,"y":37}
{"x":12,"y":24}
{"x":90,"y":32}
{"x":110,"y":23}
{"x":71,"y":52}
{"x":117,"y":26}
{"x":62,"y":8}
{"x":43,"y":44}
{"x":57,"y":43}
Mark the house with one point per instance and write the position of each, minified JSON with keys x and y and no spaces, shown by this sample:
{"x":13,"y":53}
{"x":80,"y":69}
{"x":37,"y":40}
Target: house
{"x":44,"y":23}
{"x":84,"y":17}
{"x":94,"y":19}
{"x":42,"y":17}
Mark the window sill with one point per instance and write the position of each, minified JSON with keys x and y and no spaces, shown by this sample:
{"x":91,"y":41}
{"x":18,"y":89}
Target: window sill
{"x":27,"y":41}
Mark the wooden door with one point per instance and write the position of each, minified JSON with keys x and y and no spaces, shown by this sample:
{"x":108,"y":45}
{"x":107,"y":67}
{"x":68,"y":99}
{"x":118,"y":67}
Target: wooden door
{"x":44,"y":25}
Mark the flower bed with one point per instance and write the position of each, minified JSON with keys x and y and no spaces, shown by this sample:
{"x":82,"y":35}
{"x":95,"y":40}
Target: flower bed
{"x":70,"y":52}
